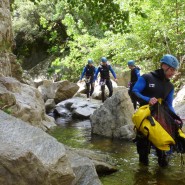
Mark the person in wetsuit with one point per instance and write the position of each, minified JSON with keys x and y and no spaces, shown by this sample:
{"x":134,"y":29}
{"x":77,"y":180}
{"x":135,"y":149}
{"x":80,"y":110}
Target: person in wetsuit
{"x":89,"y":71}
{"x":134,"y":75}
{"x":104,"y":69}
{"x":148,"y":89}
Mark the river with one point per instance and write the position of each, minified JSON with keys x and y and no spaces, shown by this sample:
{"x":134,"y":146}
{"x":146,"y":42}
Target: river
{"x":77,"y":134}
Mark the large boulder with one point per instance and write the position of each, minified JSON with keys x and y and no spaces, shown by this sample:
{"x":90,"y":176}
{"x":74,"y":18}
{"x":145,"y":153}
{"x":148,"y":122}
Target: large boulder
{"x":114,"y":118}
{"x":97,"y":94}
{"x":123,"y":78}
{"x":58,"y":91}
{"x":30,"y":156}
{"x":24,"y":102}
{"x":65,"y":90}
{"x":179,"y":103}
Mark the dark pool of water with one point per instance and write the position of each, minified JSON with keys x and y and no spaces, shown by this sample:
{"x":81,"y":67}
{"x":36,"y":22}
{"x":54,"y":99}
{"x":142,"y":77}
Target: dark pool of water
{"x":78,"y":134}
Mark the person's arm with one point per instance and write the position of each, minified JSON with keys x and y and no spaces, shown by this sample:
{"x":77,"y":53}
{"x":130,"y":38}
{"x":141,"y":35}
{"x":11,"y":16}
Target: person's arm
{"x":96,"y":74}
{"x":137,"y":72}
{"x":95,"y":70}
{"x":139,"y":87}
{"x":113,"y":73}
{"x":169,"y":100}
{"x":83,"y":72}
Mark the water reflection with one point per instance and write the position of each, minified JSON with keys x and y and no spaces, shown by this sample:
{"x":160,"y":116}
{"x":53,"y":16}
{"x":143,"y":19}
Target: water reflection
{"x":158,"y":176}
{"x":78,"y":134}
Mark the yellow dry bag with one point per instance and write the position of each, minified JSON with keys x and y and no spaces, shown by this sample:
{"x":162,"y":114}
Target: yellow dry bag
{"x":149,"y":127}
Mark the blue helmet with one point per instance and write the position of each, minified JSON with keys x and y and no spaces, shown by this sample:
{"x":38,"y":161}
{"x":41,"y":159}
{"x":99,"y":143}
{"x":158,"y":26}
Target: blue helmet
{"x":90,"y":61}
{"x":170,"y":60}
{"x":104,"y":59}
{"x":131,"y":63}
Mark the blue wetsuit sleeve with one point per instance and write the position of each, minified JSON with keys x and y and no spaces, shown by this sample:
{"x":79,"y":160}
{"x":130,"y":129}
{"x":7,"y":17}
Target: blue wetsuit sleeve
{"x":139,"y":87}
{"x":95,"y":70}
{"x":169,"y":100}
{"x":83,"y":73}
{"x":96,"y":73}
{"x":113,"y":73}
{"x":137,"y":72}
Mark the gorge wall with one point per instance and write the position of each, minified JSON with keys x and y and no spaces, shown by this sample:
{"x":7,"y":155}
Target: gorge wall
{"x":6,"y":38}
{"x":8,"y":64}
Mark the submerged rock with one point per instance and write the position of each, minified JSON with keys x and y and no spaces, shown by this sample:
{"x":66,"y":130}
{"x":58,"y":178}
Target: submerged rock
{"x":79,"y":107}
{"x":104,"y":164}
{"x":84,"y":170}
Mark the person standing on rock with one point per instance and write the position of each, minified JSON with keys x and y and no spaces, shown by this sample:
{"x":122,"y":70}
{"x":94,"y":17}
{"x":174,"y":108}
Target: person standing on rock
{"x":134,"y":75}
{"x":149,"y":88}
{"x":89,"y":71}
{"x":104,"y":69}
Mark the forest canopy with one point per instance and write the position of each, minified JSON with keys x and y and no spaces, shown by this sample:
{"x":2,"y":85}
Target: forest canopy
{"x":74,"y":30}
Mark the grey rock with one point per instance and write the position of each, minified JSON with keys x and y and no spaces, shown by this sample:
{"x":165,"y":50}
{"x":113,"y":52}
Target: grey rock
{"x":84,"y":170}
{"x":104,"y":164}
{"x":58,"y":91}
{"x":30,"y":156}
{"x":83,"y":112}
{"x":108,"y":120}
{"x":179,"y":103}
{"x":65,"y":90}
{"x":79,"y":107}
{"x":24,"y":102}
{"x":49,"y":105}
{"x":62,"y":111}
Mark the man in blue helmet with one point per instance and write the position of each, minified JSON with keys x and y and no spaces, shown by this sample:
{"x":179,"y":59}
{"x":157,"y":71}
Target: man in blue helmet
{"x":134,"y":75}
{"x":89,"y":71}
{"x":104,"y":69}
{"x":148,"y":89}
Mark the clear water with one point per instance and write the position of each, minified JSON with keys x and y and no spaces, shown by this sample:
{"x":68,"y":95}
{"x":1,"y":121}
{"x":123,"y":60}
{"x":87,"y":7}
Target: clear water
{"x":77,"y":134}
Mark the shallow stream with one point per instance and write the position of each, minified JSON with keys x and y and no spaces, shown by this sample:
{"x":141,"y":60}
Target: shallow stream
{"x":77,"y":134}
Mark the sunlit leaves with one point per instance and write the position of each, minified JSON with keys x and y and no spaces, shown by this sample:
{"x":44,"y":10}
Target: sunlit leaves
{"x":76,"y":30}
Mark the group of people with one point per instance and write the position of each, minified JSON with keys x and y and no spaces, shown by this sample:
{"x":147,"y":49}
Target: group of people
{"x":143,"y":90}
{"x":91,"y":74}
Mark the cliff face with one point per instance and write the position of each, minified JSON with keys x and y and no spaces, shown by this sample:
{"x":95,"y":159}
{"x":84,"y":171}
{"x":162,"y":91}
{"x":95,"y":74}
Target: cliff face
{"x":6,"y":38}
{"x":8,"y":64}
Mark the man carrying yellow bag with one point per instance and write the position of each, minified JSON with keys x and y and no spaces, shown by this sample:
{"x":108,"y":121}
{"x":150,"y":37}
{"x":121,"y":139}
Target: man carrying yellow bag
{"x":156,"y":122}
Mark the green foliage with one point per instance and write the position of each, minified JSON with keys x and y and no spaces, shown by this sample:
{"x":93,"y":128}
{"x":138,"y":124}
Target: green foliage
{"x":107,"y":14}
{"x":75,"y":30}
{"x":8,"y":111}
{"x":5,"y":107}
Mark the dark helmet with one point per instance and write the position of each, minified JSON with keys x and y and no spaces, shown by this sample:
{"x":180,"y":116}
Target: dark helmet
{"x":131,"y":63}
{"x":104,"y":59}
{"x":170,"y":60}
{"x":90,"y":61}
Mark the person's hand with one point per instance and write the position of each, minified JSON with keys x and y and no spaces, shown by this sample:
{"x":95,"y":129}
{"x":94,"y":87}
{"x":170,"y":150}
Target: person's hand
{"x":178,"y":122}
{"x":80,"y":81}
{"x":116,"y":80}
{"x":153,"y":101}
